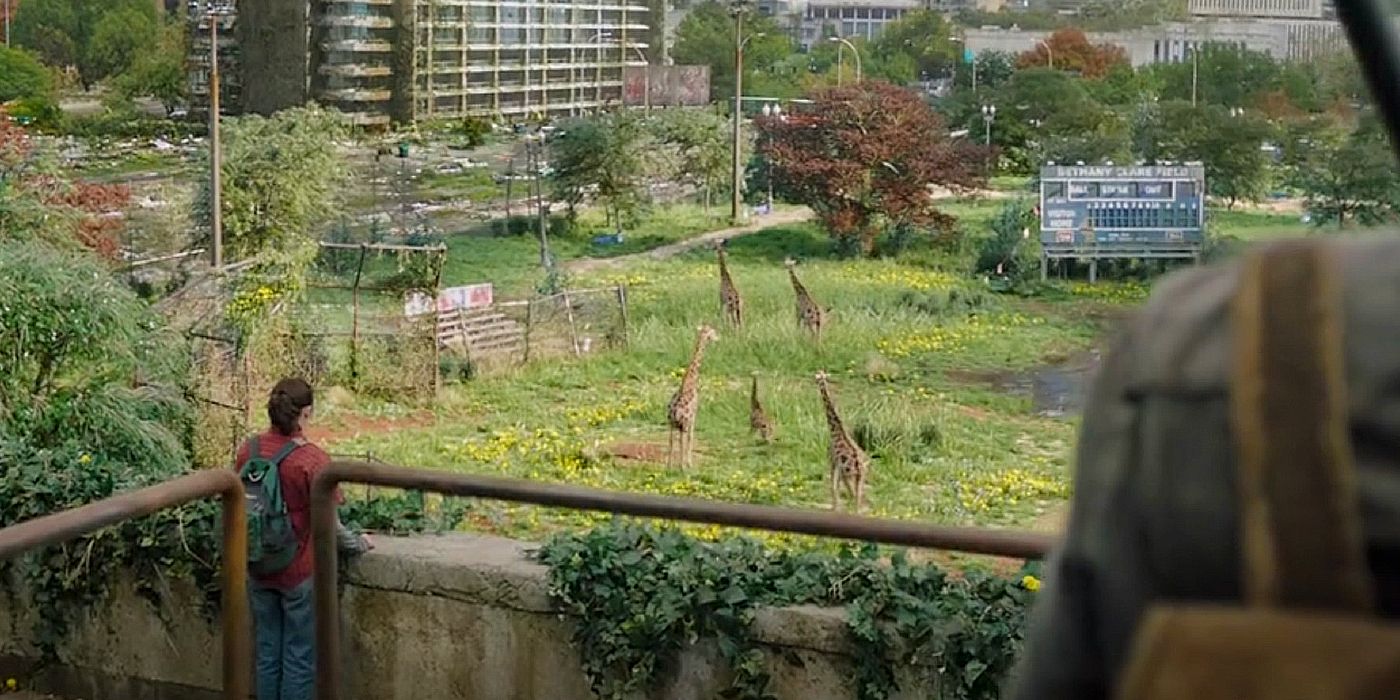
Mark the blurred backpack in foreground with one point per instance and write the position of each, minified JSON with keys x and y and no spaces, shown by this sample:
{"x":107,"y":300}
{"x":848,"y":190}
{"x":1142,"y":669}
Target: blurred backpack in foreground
{"x":1235,"y":530}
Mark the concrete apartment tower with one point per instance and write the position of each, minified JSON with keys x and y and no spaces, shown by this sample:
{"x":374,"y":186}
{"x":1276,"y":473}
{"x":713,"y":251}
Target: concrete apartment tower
{"x":410,"y":60}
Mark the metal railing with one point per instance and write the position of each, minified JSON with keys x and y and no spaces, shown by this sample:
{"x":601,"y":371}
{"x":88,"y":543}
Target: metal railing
{"x":1019,"y":544}
{"x":68,"y":524}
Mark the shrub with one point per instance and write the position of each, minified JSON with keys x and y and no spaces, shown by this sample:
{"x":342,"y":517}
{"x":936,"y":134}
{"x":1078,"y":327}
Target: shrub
{"x":637,"y":595}
{"x":1007,"y":252}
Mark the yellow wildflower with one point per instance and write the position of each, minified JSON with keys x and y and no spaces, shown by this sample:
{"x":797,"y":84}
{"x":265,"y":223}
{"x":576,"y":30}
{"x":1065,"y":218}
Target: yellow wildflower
{"x":1030,"y":583}
{"x":85,"y":458}
{"x":11,"y":684}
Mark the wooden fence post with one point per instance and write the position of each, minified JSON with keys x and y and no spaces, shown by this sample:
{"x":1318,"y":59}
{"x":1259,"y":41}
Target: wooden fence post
{"x":529,"y":325}
{"x":573,"y":330}
{"x":622,"y":307}
{"x":355,"y":315}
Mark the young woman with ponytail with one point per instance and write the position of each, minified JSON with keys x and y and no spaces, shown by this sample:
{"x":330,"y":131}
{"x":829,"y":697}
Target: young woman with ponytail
{"x":283,"y":617}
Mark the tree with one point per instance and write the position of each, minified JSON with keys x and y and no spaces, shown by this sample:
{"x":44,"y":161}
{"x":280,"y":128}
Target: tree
{"x":1227,"y":142}
{"x":159,"y":69}
{"x":1225,"y":74}
{"x":282,"y":179}
{"x":100,"y":38}
{"x":700,"y":142}
{"x":120,"y":35}
{"x":994,"y":68}
{"x":1347,"y":178}
{"x":924,"y":38}
{"x":1069,"y":49}
{"x":1045,"y":114}
{"x":22,"y":75}
{"x":863,"y":157}
{"x":706,"y":37}
{"x":608,"y":157}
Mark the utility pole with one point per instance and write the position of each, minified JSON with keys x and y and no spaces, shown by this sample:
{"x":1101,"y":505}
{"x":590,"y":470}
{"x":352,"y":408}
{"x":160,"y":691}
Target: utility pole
{"x":216,"y":184}
{"x":737,"y":9}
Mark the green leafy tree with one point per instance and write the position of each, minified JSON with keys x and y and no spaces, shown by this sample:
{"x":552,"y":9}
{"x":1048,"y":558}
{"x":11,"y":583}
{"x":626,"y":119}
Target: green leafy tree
{"x":699,"y":141}
{"x":1347,"y":178}
{"x":706,"y":37}
{"x":607,"y":158}
{"x":119,"y":37}
{"x":159,"y":69}
{"x":282,"y":179}
{"x":1045,"y":114}
{"x":920,"y":39}
{"x":100,"y":38}
{"x":1226,"y":142}
{"x":22,"y":76}
{"x":1226,"y":74}
{"x":994,"y":68}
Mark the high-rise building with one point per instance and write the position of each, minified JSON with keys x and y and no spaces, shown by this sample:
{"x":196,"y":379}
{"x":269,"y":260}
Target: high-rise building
{"x":201,"y":15}
{"x":1271,"y":9}
{"x":410,"y":60}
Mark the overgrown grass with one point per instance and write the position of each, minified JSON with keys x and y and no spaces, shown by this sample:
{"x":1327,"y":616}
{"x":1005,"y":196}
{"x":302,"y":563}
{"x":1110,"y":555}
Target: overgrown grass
{"x":899,"y":340}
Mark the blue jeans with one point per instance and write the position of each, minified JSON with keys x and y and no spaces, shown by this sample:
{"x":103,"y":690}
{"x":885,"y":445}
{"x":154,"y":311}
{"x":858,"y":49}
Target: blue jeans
{"x":284,"y":626}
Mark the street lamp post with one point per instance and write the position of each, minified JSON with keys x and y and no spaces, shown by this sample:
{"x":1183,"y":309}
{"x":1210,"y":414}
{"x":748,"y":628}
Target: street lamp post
{"x":854,"y":50}
{"x":989,"y":114}
{"x":737,"y":10}
{"x":773,"y":110}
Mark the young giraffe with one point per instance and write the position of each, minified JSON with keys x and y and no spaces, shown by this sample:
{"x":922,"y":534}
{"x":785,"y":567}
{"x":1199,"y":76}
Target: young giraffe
{"x":681,"y":412}
{"x":809,"y":314}
{"x":850,"y":467}
{"x":729,"y":299}
{"x":759,"y":422}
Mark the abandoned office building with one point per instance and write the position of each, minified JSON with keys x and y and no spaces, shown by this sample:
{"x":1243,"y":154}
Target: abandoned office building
{"x":413,"y":60}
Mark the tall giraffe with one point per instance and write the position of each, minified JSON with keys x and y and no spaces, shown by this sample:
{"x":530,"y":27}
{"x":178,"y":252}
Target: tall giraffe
{"x":810,"y":315}
{"x":681,"y":412}
{"x":850,"y":467}
{"x":759,"y":422}
{"x":729,"y":299}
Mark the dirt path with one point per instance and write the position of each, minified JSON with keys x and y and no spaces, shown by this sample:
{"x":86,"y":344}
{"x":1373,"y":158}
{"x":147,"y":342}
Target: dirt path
{"x":790,"y":216}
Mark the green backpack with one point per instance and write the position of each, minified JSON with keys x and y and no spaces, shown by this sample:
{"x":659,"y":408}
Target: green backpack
{"x":272,"y":542}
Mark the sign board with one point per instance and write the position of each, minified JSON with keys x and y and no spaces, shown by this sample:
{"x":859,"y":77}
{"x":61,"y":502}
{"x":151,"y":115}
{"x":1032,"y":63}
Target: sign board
{"x":472,"y":296}
{"x":670,"y":86}
{"x":1105,"y":204}
{"x":968,"y":56}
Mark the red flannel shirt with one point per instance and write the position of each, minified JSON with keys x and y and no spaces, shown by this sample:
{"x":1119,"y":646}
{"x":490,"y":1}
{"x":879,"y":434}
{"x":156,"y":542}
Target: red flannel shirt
{"x":296,"y":473}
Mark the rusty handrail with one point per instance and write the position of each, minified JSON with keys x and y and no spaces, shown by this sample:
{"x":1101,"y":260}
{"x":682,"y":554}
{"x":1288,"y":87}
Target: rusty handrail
{"x":1009,"y":543}
{"x":65,"y":525}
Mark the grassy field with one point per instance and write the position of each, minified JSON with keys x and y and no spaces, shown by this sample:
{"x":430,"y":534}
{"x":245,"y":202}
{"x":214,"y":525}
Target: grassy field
{"x":916,"y":354}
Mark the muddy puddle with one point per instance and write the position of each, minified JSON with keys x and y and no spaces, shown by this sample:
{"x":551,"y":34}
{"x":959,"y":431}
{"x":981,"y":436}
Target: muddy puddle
{"x":1055,"y":390}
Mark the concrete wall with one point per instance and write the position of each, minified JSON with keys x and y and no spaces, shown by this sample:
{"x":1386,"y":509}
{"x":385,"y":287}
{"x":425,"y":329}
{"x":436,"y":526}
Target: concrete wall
{"x":425,"y":618}
{"x":274,"y":48}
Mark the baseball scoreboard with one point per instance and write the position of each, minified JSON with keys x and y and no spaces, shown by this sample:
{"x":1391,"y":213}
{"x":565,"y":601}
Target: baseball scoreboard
{"x":1122,"y":211}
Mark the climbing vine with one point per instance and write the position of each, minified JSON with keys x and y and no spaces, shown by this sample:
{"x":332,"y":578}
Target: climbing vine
{"x":638,"y":594}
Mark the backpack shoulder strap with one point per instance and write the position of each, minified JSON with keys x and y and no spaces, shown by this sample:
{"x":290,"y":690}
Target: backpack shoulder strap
{"x":287,"y":450}
{"x":1300,"y":527}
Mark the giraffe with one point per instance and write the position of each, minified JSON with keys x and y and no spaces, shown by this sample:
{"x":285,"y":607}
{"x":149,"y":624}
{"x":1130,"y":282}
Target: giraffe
{"x":729,"y":299}
{"x":809,"y":314}
{"x":759,"y":422}
{"x":681,"y":412}
{"x":850,"y":467}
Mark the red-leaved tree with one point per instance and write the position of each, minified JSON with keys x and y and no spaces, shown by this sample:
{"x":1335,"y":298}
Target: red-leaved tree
{"x":1069,"y":49}
{"x":88,"y":214}
{"x":865,"y":159}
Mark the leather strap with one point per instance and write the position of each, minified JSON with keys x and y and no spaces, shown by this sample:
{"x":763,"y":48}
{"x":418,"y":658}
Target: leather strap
{"x":1300,"y":526}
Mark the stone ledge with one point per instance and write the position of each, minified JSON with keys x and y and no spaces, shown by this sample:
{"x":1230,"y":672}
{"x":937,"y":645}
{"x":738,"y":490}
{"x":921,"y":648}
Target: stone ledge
{"x":498,"y":572}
